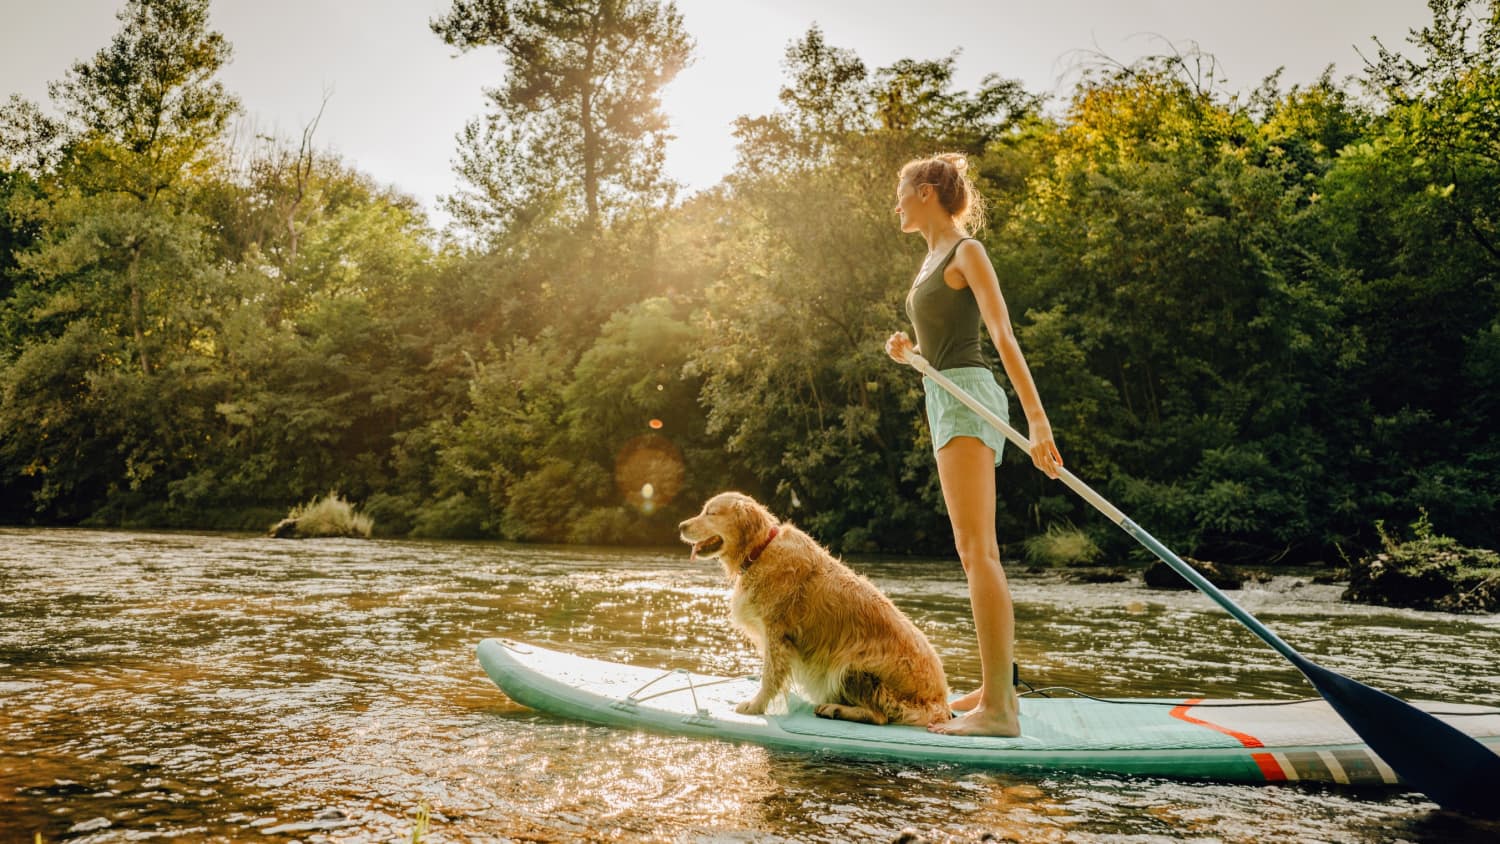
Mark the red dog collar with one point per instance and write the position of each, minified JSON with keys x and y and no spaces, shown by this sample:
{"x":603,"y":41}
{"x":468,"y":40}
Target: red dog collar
{"x":760,"y":549}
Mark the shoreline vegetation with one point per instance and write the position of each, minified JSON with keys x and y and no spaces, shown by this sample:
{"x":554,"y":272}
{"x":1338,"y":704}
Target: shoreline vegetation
{"x":1426,"y":572}
{"x":324,"y":516}
{"x":1265,"y":324}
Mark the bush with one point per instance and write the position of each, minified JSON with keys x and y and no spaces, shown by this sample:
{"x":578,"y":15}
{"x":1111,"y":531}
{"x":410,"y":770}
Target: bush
{"x":1061,"y":546}
{"x":602,"y":526}
{"x":1428,"y":572}
{"x":329,"y":516}
{"x":544,"y":504}
{"x":456,"y":517}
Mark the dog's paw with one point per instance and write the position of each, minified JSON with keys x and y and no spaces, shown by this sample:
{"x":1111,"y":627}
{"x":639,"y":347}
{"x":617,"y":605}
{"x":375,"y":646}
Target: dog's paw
{"x":827,"y":710}
{"x":751,"y":707}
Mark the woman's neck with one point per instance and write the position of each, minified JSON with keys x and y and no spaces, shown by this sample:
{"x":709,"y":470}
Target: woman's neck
{"x":941,"y":236}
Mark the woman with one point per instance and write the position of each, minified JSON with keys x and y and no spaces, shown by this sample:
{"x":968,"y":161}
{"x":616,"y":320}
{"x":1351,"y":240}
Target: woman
{"x":954,"y":291}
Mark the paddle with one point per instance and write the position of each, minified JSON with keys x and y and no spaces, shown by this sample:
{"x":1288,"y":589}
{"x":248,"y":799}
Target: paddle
{"x":1434,"y":758}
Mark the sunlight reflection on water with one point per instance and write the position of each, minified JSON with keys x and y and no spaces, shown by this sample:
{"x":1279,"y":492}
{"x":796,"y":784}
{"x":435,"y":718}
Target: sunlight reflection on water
{"x":232,"y":687}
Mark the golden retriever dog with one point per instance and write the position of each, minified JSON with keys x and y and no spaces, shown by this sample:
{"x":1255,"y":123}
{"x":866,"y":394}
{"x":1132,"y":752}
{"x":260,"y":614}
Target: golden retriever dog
{"x":853,"y":654}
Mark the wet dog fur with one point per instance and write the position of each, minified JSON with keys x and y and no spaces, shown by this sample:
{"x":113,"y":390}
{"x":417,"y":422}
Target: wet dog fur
{"x":817,"y":623}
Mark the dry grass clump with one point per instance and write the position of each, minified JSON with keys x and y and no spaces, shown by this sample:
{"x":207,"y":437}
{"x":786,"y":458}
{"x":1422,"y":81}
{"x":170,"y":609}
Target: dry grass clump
{"x":326,"y":516}
{"x":1061,"y":546}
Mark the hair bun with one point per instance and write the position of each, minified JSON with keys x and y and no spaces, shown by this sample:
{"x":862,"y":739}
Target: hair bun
{"x":957,"y":159}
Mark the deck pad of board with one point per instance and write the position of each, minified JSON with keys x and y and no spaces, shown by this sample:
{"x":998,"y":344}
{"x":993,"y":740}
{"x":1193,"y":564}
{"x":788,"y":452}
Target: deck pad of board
{"x":1224,"y":740}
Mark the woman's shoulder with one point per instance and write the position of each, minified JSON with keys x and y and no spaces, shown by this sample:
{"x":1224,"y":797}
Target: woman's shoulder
{"x":970,"y":262}
{"x":970,"y":247}
{"x":969,"y":252}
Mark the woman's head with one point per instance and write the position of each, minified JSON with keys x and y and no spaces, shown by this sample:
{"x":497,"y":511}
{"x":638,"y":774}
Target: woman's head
{"x":942,"y":180}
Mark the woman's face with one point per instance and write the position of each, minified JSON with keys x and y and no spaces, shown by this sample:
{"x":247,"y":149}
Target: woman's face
{"x":909,"y":205}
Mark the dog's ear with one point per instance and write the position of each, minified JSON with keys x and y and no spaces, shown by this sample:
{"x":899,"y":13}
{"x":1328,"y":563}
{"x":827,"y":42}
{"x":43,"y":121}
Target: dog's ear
{"x":751,"y":520}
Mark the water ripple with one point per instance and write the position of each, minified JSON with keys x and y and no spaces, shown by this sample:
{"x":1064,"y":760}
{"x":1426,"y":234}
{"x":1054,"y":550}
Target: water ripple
{"x":224,"y":687}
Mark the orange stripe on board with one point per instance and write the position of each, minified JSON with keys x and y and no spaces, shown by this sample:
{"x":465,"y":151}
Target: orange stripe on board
{"x":1269,"y":767}
{"x":1180,"y":713}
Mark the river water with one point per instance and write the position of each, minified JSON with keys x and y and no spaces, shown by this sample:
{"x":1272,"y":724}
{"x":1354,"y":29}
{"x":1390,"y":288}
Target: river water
{"x":234,"y":688}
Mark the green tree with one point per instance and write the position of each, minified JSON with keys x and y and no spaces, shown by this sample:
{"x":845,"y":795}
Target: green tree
{"x":19,"y":230}
{"x":144,"y":111}
{"x":633,"y":411}
{"x":1405,"y":225}
{"x":141,"y":121}
{"x":1152,"y":266}
{"x":577,"y":129}
{"x":1447,"y":108}
{"x":336,"y":343}
{"x":510,"y":432}
{"x":119,"y":270}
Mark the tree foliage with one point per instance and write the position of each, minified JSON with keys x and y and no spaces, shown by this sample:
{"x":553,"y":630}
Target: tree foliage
{"x":576,"y":131}
{"x":1260,"y":323}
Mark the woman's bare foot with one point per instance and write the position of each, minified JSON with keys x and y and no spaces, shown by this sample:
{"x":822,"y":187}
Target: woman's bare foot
{"x":968,"y":701}
{"x":980,"y":722}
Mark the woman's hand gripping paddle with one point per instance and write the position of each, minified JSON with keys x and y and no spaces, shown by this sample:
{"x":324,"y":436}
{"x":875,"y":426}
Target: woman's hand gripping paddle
{"x":1440,"y":761}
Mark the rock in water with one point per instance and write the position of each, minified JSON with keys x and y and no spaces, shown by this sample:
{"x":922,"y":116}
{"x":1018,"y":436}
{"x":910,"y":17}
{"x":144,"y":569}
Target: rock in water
{"x":1159,"y":575}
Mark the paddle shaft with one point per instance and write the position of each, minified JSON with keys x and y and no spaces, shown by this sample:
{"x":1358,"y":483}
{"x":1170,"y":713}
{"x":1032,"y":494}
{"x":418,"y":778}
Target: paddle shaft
{"x":1112,"y":512}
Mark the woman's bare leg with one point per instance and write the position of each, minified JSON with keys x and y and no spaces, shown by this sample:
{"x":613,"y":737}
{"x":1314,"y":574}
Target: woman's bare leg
{"x":966,"y":468}
{"x":967,"y":702}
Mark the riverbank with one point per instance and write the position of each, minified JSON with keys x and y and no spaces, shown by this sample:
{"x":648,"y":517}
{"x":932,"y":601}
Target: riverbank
{"x":1426,"y":572}
{"x":1429,"y":572}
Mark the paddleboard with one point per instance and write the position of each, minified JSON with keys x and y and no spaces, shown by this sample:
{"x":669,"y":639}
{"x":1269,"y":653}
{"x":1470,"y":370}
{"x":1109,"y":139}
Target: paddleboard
{"x":1246,"y":741}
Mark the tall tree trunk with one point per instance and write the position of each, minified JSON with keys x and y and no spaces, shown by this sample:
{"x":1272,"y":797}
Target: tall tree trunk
{"x":590,"y":135}
{"x":302,"y":170}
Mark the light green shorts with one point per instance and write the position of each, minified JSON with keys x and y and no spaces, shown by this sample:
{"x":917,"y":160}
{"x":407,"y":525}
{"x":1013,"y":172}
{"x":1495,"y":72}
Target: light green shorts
{"x":949,"y":417}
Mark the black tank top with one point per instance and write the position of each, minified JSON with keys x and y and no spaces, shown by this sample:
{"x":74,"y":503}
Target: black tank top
{"x":946,"y":321}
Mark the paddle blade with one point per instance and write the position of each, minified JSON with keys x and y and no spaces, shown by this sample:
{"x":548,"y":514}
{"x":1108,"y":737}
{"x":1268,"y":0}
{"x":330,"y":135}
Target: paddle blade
{"x":1440,"y":761}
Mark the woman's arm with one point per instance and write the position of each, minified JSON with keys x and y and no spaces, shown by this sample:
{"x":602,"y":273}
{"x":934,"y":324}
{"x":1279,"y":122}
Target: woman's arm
{"x":974,"y":264}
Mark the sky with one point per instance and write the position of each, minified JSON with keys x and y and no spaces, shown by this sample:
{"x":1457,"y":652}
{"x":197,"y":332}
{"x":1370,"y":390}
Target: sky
{"x":397,"y":96}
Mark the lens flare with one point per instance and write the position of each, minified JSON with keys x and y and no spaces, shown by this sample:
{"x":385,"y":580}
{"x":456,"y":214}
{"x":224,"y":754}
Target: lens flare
{"x":648,"y":472}
{"x":655,"y":424}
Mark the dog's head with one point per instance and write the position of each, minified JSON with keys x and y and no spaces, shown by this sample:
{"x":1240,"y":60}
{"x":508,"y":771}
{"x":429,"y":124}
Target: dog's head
{"x":730,"y":525}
